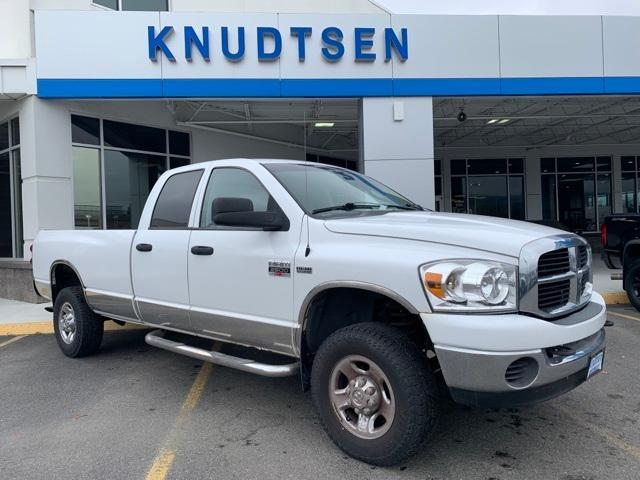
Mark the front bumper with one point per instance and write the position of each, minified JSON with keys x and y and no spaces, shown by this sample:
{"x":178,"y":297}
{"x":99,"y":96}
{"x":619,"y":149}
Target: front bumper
{"x":475,"y":353}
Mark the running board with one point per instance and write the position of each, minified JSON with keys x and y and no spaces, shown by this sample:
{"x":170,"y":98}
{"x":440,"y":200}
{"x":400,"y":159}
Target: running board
{"x":156,"y":339}
{"x":616,"y":276}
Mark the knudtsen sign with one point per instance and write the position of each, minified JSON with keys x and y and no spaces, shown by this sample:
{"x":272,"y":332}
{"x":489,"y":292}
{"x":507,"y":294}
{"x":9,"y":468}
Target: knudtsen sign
{"x":269,"y":43}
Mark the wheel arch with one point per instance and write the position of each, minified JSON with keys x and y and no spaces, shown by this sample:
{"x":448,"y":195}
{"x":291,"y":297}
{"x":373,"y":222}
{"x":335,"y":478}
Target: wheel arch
{"x":362,"y":292}
{"x":63,"y":274}
{"x":631,"y":249}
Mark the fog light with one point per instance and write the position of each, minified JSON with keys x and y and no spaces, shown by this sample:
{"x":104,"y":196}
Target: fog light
{"x":522,"y":372}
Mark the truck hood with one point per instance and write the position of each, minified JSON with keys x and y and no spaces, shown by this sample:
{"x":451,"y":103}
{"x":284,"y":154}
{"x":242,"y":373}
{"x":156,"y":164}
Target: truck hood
{"x":497,"y":235}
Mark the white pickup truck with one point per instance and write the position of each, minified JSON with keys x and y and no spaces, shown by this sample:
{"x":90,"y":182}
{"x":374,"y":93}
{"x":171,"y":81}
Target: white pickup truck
{"x":380,"y":305}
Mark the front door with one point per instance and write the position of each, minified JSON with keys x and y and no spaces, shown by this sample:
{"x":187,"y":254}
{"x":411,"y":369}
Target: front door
{"x":240,"y":279}
{"x":159,"y":255}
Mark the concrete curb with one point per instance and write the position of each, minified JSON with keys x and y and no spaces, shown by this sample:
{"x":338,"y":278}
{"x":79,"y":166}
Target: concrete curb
{"x":615,"y":298}
{"x":33,"y":328}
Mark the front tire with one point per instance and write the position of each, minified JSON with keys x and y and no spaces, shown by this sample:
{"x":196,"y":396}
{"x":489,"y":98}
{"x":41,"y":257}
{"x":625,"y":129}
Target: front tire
{"x":632,"y":283}
{"x":374,"y":393}
{"x":78,"y":330}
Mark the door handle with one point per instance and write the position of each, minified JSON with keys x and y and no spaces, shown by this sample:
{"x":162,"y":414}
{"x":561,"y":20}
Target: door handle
{"x":201,"y":250}
{"x":144,"y":247}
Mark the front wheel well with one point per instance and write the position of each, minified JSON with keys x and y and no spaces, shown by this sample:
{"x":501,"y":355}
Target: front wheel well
{"x":335,"y":308}
{"x":63,"y":275}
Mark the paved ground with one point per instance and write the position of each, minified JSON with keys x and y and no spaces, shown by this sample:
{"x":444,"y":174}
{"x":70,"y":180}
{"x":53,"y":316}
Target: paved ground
{"x":134,"y":412}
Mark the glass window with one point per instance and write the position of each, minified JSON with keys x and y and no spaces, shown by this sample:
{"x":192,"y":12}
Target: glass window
{"x":134,"y":137}
{"x":437,"y":167}
{"x":516,"y":197}
{"x":604,"y":195}
{"x":86,"y":187}
{"x":486,"y":167}
{"x":628,"y":164}
{"x":17,"y":203}
{"x":175,"y":162}
{"x":4,"y":136}
{"x":6,"y":230}
{"x":174,"y":203}
{"x":628,"y":192}
{"x":145,"y":5}
{"x":576,"y":164}
{"x":549,"y":211}
{"x":112,"y":4}
{"x":15,"y":132}
{"x":516,"y":165}
{"x":179,"y":143}
{"x":603,"y":164}
{"x":487,"y":196}
{"x":85,"y":130}
{"x":233,"y":183}
{"x":459,"y":194}
{"x":576,"y":199}
{"x":129,"y":177}
{"x":547,"y":165}
{"x":458,"y":167}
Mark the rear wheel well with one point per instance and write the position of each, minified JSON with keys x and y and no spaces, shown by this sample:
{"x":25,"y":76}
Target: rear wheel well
{"x":631,"y":253}
{"x":339,"y":307}
{"x":63,"y":276}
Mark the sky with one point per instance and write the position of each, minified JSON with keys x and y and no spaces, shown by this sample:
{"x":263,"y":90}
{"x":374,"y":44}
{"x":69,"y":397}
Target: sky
{"x":514,"y":7}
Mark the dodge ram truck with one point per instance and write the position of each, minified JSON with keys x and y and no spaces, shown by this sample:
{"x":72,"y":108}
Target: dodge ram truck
{"x":382,"y":307}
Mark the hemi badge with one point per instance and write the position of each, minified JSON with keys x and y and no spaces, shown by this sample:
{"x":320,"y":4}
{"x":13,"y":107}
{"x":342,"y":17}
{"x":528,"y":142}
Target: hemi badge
{"x":280,"y":269}
{"x":304,"y":270}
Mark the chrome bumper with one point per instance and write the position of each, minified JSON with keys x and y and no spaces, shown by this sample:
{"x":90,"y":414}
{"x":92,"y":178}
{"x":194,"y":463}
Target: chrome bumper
{"x":480,"y":377}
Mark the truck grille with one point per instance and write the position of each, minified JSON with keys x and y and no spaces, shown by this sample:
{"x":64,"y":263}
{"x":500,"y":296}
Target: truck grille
{"x":553,"y":295}
{"x":553,"y":263}
{"x":555,"y":276}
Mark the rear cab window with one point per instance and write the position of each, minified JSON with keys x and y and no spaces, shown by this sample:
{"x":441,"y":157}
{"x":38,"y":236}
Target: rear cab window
{"x":173,"y":207}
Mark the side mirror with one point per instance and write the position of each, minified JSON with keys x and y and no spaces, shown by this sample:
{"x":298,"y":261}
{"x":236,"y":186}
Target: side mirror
{"x":268,"y":221}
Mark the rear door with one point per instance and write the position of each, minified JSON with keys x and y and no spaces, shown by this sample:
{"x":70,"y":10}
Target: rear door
{"x":159,"y":255}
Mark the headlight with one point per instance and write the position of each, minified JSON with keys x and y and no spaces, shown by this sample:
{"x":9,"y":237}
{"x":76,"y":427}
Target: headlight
{"x":470,"y":285}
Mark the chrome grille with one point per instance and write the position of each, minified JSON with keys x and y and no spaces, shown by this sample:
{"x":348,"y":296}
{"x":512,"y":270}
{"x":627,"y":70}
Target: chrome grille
{"x":555,"y":276}
{"x":553,"y":295}
{"x":554,"y":263}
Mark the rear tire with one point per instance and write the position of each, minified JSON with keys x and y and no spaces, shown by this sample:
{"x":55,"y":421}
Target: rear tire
{"x":375,"y":396}
{"x":78,"y":330}
{"x":632,"y":283}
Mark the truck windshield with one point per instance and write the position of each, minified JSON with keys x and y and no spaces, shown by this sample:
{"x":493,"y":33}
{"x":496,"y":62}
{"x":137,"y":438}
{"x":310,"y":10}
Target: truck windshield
{"x":320,"y":189}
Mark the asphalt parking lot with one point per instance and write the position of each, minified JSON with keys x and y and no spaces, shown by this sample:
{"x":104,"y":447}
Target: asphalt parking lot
{"x":133,"y":411}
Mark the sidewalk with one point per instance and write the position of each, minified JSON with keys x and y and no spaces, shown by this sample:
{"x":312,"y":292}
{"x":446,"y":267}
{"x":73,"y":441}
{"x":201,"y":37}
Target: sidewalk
{"x":611,"y":290}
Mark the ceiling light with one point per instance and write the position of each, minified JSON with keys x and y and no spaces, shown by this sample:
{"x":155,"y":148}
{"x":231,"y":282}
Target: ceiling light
{"x":504,"y":120}
{"x":492,"y":121}
{"x":323,"y":124}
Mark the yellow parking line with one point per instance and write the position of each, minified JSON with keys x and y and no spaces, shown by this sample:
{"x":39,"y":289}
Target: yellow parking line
{"x":11,"y":340}
{"x":163,"y":462}
{"x":32,"y":328}
{"x":628,"y":317}
{"x":611,"y":437}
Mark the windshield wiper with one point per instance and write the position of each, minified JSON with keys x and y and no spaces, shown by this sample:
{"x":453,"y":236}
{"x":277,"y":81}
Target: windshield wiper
{"x":408,"y":206}
{"x":346,"y":207}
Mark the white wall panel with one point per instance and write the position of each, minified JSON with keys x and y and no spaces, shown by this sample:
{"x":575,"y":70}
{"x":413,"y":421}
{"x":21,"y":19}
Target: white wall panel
{"x":532,"y":46}
{"x":449,"y":46}
{"x":101,"y":44}
{"x":621,"y":37}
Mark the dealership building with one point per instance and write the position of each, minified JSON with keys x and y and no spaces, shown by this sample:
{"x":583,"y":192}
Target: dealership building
{"x":531,"y":117}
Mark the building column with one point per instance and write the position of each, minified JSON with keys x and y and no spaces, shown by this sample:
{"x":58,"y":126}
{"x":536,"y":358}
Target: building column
{"x":47,"y":170}
{"x":396,"y":145}
{"x":534,"y":186}
{"x":616,"y":193}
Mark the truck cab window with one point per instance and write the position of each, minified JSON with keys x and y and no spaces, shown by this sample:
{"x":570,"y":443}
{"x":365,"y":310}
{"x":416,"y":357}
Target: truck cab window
{"x":173,"y":207}
{"x":233,"y":189}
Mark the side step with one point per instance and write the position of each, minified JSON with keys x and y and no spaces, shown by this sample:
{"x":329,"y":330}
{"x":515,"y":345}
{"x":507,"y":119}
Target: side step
{"x":616,"y":276}
{"x":156,"y":339}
